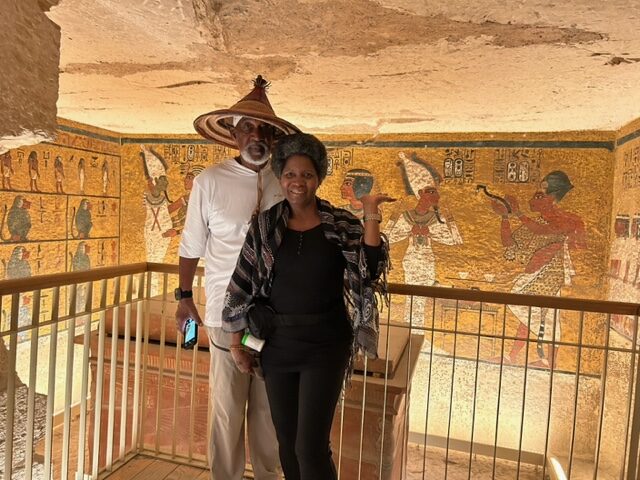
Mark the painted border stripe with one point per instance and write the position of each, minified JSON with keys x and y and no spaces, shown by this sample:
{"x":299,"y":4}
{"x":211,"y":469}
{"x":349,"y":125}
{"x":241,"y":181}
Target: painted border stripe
{"x":97,"y":136}
{"x":182,"y":141}
{"x":412,"y":144}
{"x":607,"y":145}
{"x":479,"y":144}
{"x":627,"y":138}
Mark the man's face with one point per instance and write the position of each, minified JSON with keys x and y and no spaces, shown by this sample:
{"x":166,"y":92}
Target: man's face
{"x":428,"y":196}
{"x":254,"y":139}
{"x":346,"y":190}
{"x":541,"y":201}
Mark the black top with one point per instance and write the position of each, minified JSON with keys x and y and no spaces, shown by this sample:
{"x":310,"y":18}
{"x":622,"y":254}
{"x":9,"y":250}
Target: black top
{"x":308,"y":277}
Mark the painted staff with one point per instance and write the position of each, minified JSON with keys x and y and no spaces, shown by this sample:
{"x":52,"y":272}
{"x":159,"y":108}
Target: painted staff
{"x":495,"y":197}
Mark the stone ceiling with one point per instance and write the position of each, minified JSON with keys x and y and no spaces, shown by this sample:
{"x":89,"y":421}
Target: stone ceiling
{"x":343,"y":66}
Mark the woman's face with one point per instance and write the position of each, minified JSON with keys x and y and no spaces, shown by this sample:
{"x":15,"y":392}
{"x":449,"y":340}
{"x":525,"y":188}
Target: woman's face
{"x":299,"y":180}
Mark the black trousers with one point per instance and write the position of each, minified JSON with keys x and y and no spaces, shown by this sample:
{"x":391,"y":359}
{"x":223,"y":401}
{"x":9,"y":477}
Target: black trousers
{"x":302,"y":407}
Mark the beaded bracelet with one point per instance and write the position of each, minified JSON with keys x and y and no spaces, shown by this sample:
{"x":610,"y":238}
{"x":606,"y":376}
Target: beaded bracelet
{"x":372,"y":216}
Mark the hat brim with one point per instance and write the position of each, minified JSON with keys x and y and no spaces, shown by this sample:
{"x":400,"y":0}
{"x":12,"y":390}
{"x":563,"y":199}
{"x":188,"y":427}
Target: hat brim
{"x":215,"y":125}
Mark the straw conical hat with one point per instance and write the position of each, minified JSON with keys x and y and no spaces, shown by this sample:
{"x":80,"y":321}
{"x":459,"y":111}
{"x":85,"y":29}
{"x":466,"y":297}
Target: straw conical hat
{"x":215,"y":125}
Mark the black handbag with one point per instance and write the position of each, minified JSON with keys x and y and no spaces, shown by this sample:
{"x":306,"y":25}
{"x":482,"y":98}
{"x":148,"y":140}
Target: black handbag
{"x":261,"y":319}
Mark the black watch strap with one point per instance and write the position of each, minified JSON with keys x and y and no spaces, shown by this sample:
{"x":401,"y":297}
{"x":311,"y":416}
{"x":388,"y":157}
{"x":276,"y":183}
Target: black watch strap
{"x":180,"y":294}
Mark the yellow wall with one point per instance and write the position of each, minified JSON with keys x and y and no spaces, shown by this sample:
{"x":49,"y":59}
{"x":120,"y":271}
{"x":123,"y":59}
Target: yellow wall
{"x":479,"y":260}
{"x":88,"y":172}
{"x":132,"y":223}
{"x":624,"y":265}
{"x":181,"y":155}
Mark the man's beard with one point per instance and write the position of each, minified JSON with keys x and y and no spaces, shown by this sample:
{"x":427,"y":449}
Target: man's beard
{"x":247,"y":157}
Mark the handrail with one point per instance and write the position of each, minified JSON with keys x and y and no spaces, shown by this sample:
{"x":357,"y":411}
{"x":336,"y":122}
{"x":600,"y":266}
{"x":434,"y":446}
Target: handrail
{"x":561,"y":303}
{"x":118,"y":341}
{"x":39,"y":282}
{"x":8,"y":287}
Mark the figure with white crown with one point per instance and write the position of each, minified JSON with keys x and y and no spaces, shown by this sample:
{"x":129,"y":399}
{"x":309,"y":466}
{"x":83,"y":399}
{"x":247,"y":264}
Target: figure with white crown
{"x":423,"y":225}
{"x":156,"y":201}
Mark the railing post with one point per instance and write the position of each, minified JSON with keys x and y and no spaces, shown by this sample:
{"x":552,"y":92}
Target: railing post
{"x":634,"y":443}
{"x":11,"y":386}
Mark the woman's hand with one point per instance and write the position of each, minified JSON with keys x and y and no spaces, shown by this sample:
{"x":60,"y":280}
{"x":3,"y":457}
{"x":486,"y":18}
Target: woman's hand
{"x":370,"y":203}
{"x":242,"y":359}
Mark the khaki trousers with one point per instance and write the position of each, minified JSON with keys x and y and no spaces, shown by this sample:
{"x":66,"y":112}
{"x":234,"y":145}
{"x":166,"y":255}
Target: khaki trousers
{"x":230,"y":393}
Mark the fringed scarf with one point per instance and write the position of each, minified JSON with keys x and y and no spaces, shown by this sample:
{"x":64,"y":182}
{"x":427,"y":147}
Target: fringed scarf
{"x":253,"y":275}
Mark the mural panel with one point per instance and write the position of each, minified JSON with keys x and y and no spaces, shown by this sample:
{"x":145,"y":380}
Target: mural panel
{"x":53,"y":198}
{"x":516,"y":216}
{"x":522,"y":220}
{"x":624,"y":261}
{"x":157,"y":180}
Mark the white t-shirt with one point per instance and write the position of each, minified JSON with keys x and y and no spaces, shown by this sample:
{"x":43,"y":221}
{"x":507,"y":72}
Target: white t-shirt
{"x":221,"y":203}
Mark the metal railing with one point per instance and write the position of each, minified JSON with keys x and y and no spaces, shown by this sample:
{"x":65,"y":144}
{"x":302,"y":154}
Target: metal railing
{"x":95,"y":374}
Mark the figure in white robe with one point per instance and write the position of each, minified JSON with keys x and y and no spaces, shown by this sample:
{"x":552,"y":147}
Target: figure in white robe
{"x":156,"y":201}
{"x":423,"y":225}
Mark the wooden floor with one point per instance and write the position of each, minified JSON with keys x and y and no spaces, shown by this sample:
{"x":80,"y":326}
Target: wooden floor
{"x":148,"y":468}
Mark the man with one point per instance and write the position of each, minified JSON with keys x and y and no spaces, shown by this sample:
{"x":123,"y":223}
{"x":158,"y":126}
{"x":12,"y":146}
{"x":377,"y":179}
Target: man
{"x":542,"y":244}
{"x":7,"y":170}
{"x":223,"y":199}
{"x":58,"y":171}
{"x":34,"y":174}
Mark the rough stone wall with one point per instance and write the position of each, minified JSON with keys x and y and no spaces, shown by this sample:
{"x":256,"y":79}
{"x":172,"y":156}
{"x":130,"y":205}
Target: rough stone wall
{"x":30,"y":56}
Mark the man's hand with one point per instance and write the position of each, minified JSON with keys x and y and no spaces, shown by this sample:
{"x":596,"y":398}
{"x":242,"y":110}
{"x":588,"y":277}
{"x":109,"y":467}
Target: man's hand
{"x":242,"y":359}
{"x":499,"y":208}
{"x":186,"y":309}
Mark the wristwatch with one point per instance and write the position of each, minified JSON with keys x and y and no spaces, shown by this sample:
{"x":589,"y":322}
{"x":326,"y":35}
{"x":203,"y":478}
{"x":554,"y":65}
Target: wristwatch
{"x":180,"y":294}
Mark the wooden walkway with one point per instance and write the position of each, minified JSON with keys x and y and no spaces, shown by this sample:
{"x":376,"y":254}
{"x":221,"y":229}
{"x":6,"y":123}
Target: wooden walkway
{"x":142,"y":467}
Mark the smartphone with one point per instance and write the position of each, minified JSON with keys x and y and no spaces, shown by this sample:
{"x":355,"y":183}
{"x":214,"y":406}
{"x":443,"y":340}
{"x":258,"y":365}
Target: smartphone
{"x":190,"y":333}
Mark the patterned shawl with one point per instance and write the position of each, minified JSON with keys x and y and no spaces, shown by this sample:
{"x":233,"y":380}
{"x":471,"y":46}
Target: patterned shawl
{"x":253,"y":275}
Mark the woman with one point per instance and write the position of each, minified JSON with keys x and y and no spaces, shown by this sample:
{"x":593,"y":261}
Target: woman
{"x":306,"y":259}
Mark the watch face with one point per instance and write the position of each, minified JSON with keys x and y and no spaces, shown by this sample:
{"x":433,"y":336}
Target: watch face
{"x":177,"y":293}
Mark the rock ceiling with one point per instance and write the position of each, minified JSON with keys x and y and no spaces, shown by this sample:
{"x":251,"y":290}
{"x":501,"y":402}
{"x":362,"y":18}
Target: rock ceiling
{"x":342,"y":66}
